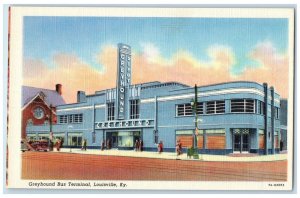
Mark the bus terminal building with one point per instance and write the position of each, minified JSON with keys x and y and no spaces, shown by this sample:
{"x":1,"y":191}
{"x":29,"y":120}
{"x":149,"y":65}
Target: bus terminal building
{"x":232,"y":117}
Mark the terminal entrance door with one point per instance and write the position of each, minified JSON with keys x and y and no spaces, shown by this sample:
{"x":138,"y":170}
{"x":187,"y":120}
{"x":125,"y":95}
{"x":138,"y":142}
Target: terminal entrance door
{"x":112,"y":139}
{"x":241,"y":140}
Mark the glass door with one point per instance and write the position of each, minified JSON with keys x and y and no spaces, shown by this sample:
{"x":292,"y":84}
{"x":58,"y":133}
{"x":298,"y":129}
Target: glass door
{"x":241,"y":140}
{"x":245,"y":147}
{"x":112,"y":139}
{"x":237,"y":142}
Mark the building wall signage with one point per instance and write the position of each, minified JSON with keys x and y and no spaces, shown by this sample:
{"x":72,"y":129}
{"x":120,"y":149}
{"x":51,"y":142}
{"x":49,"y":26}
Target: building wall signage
{"x":123,"y":78}
{"x":125,"y":124}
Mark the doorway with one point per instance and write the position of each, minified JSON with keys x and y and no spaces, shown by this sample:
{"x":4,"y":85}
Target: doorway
{"x":241,"y":140}
{"x":112,"y":139}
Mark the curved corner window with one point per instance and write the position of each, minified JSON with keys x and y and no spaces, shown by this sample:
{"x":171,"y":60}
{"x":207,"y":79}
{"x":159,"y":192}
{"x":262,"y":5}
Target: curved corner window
{"x":242,"y":106}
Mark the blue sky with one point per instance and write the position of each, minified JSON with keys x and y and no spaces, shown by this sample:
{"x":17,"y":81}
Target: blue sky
{"x":84,"y":36}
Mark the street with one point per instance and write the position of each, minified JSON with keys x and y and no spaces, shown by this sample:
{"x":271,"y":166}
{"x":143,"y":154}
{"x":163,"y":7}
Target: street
{"x":74,"y":166}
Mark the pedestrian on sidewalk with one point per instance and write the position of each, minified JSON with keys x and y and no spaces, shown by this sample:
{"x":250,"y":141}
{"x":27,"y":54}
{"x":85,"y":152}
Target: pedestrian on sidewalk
{"x":178,"y":148}
{"x":141,"y":145}
{"x":102,"y":146}
{"x":84,"y":144}
{"x":136,"y":145}
{"x":58,"y":144}
{"x":160,"y":147}
{"x":107,"y":144}
{"x":61,"y":142}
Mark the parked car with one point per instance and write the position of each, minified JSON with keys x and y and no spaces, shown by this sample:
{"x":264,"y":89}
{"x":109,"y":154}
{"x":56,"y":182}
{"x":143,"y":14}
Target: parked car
{"x":24,"y":146}
{"x":41,"y":145}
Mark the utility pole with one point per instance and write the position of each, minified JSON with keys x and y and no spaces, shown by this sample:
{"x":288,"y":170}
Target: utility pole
{"x":196,"y":118}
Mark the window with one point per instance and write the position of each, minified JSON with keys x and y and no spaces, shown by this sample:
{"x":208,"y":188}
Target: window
{"x":184,"y":132}
{"x":75,"y":118}
{"x":62,"y":119}
{"x":134,"y":109}
{"x":74,"y":139}
{"x":72,"y":118}
{"x":242,"y":106}
{"x":214,"y":107}
{"x":200,"y":108}
{"x":38,"y":113}
{"x":215,"y":131}
{"x":261,"y":108}
{"x":276,"y":112}
{"x":111,"y":94}
{"x":134,"y":91}
{"x":78,"y":118}
{"x":110,"y":111}
{"x":186,"y":109}
{"x":128,"y":138}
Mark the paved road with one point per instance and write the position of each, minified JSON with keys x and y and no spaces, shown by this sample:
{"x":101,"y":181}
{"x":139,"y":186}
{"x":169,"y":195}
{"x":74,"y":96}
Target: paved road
{"x":50,"y":165}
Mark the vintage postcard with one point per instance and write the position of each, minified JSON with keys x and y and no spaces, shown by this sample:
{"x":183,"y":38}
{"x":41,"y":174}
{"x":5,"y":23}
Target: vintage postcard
{"x":150,"y":98}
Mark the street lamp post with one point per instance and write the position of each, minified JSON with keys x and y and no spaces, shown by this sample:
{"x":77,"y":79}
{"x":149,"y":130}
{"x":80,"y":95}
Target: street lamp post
{"x":50,"y":142}
{"x":194,"y":105}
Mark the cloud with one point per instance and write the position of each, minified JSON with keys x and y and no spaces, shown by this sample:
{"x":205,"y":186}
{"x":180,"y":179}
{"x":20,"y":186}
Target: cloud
{"x":184,"y":67}
{"x":69,"y":71}
{"x":149,"y":65}
{"x":273,"y":67}
{"x":151,"y":53}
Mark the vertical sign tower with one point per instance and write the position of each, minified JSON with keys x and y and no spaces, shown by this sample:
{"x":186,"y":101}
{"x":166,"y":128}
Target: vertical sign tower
{"x":123,"y":79}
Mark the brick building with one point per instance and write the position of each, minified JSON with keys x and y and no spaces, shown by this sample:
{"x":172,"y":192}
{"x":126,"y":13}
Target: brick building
{"x":36,"y":103}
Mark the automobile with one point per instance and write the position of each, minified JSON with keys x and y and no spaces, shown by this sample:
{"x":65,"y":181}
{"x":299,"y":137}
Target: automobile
{"x":24,"y":146}
{"x":40,"y":145}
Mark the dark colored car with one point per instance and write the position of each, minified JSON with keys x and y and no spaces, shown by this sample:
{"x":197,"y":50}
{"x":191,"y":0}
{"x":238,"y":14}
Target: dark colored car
{"x":24,"y":146}
{"x":41,"y":145}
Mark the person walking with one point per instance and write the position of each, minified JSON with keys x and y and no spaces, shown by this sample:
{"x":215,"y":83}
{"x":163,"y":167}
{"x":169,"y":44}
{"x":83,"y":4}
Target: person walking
{"x":141,"y":145}
{"x":160,"y":147}
{"x":107,"y":144}
{"x":58,"y":144}
{"x":61,"y":142}
{"x":82,"y":144}
{"x":178,"y":147}
{"x":85,"y":144}
{"x":136,"y":145}
{"x":102,"y":146}
{"x":110,"y":143}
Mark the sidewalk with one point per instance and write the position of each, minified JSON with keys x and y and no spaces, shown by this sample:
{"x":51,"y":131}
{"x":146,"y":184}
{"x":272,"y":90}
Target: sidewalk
{"x":168,"y":155}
